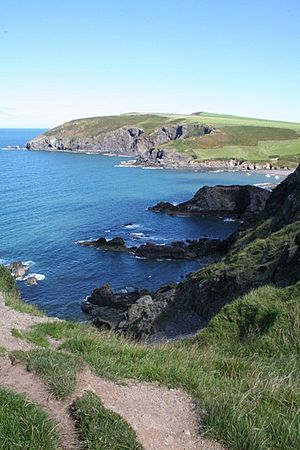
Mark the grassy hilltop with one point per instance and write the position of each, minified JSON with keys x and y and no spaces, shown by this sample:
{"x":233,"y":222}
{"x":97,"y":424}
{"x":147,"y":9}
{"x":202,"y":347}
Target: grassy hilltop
{"x":253,"y":140}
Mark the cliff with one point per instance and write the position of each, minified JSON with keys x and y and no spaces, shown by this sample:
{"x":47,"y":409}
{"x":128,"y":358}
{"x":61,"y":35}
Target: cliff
{"x":117,"y":136}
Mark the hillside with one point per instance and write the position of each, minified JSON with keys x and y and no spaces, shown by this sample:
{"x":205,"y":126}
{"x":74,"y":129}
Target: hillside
{"x":181,"y":139}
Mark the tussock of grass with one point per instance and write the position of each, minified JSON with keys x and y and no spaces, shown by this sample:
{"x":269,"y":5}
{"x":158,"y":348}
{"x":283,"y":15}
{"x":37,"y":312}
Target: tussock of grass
{"x":100,"y":428}
{"x":57,"y":368}
{"x":24,"y":425}
{"x":243,"y":369}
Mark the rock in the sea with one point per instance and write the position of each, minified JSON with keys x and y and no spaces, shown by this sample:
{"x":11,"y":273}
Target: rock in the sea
{"x":31,"y":281}
{"x":174,"y":251}
{"x":223,"y":201}
{"x":116,"y":244}
{"x":18,"y":269}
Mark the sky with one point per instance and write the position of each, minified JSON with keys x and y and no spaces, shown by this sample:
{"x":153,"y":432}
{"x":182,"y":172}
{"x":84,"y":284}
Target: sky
{"x":66,"y":59}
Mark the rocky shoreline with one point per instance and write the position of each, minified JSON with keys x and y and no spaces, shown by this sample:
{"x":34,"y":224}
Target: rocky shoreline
{"x":178,"y":250}
{"x":164,"y":313}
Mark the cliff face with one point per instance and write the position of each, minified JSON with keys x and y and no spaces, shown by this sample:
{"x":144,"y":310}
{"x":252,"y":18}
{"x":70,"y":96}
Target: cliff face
{"x":125,"y":140}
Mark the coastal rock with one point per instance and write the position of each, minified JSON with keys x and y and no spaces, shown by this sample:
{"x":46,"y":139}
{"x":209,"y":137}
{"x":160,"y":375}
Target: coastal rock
{"x":116,"y":244}
{"x":134,"y":314}
{"x":31,"y":281}
{"x":225,"y":201}
{"x":175,"y":250}
{"x":18,"y":269}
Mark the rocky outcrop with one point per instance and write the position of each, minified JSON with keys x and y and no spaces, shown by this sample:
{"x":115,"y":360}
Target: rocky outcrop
{"x":283,"y":206}
{"x":169,"y":159}
{"x":224,"y":201}
{"x":175,"y":250}
{"x":125,"y":140}
{"x":18,"y":269}
{"x":134,"y":314}
{"x":116,"y":244}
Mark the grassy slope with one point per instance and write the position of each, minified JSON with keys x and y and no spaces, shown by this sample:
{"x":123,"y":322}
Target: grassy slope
{"x":24,"y":425}
{"x":94,"y":126}
{"x":242,"y":370}
{"x":238,"y":137}
{"x":100,"y":428}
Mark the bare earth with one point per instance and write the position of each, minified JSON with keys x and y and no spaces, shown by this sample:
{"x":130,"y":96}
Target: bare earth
{"x":162,"y":418}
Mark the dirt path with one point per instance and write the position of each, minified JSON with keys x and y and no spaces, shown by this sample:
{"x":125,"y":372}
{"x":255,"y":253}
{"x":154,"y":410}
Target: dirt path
{"x":9,"y":319}
{"x":163,"y":419}
{"x":16,"y":378}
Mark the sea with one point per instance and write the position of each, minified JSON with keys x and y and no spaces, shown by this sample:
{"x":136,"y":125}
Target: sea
{"x":51,"y":200}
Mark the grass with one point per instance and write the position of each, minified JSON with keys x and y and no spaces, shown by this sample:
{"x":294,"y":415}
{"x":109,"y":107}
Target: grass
{"x":243,"y":370}
{"x":100,"y":428}
{"x":58,"y":369}
{"x":11,"y":294}
{"x":93,"y":126}
{"x":24,"y":426}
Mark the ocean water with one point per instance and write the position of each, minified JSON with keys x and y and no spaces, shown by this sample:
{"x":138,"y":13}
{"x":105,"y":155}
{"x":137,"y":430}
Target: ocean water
{"x":49,"y":201}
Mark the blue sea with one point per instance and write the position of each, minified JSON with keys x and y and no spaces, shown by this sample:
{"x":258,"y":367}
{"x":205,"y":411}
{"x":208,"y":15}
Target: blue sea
{"x":50,"y":200}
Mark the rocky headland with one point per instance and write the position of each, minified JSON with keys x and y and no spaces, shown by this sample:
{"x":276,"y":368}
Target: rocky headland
{"x":125,"y":140}
{"x":222,"y":201}
{"x":265,"y":251}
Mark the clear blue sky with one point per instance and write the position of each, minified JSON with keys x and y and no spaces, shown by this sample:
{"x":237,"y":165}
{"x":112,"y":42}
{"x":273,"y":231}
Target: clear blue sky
{"x":63,"y":59}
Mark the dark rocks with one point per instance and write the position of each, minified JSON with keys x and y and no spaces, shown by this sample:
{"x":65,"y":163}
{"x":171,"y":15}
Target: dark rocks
{"x":173,"y":251}
{"x":116,"y":244}
{"x":133,"y":313}
{"x":224,"y":201}
{"x":283,"y":206}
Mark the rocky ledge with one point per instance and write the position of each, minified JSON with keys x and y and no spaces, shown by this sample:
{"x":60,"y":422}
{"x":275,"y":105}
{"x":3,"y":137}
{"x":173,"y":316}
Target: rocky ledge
{"x":137,"y":314}
{"x":190,"y":249}
{"x":222,"y":201}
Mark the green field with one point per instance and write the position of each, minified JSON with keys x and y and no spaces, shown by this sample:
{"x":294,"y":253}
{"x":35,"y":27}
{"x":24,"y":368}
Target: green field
{"x":243,"y":138}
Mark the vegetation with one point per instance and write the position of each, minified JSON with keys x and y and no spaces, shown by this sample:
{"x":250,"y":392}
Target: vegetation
{"x":242,"y":369}
{"x":57,"y":368}
{"x":11,"y":294}
{"x":102,"y":429}
{"x":24,"y":426}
